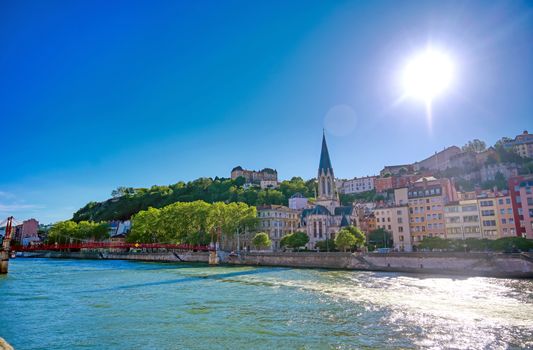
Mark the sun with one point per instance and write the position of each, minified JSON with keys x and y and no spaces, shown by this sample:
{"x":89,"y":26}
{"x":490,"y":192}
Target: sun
{"x":428,"y":74}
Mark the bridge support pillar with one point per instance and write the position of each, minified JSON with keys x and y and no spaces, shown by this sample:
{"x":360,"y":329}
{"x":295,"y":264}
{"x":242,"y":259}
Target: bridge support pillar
{"x":4,"y":262}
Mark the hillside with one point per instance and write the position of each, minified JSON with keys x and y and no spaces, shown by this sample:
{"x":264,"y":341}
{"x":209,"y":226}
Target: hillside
{"x":127,"y":201}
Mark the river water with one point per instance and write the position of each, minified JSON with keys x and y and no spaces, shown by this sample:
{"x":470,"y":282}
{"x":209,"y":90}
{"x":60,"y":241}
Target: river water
{"x":88,"y":304}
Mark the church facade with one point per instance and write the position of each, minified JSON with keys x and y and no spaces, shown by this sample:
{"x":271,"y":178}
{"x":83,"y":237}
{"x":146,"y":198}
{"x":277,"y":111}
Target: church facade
{"x":326,"y":216}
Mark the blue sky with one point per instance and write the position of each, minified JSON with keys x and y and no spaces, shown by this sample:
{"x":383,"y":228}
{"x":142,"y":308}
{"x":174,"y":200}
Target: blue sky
{"x":100,"y":94}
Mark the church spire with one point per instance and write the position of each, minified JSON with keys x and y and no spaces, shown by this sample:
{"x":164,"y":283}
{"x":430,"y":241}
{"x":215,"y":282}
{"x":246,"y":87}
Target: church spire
{"x":325,"y":162}
{"x":326,"y":179}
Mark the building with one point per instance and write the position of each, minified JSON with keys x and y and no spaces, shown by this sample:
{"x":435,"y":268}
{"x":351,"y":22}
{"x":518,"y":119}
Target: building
{"x":439,"y":161}
{"x":395,"y":219}
{"x":488,"y":172}
{"x":521,"y":194}
{"x":277,"y":221}
{"x":298,"y":202}
{"x":401,"y":169}
{"x":326,"y":217}
{"x":268,"y":184}
{"x":27,"y":232}
{"x":253,"y":176}
{"x":462,"y":219}
{"x":356,"y":185}
{"x":427,"y":198}
{"x":522,"y":145}
{"x":383,"y":184}
{"x":489,"y":217}
{"x":506,"y":224}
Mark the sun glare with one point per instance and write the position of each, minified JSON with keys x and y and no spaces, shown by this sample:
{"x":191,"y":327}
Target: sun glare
{"x":428,"y":74}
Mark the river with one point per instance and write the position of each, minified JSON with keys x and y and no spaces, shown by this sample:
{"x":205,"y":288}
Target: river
{"x":89,"y":304}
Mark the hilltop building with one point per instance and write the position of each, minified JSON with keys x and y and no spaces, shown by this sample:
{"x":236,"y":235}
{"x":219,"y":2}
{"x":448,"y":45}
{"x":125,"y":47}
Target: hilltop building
{"x":253,"y":176}
{"x":438,"y":161}
{"x":356,"y":185}
{"x":522,"y":144}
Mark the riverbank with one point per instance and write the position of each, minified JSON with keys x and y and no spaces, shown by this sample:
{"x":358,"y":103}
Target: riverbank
{"x":465,"y":264}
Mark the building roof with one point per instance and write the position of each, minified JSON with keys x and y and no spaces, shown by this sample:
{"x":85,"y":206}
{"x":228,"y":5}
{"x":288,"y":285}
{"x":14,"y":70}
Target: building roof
{"x":344,"y":221}
{"x":325,"y":162}
{"x":426,"y":178}
{"x":272,"y":207}
{"x":345,"y":210}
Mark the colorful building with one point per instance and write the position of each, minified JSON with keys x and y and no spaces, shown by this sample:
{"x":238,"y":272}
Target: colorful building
{"x":427,"y":198}
{"x":520,"y":191}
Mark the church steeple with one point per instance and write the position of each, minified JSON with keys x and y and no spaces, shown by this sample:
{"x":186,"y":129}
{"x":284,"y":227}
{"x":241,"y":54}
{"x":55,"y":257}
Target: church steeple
{"x":325,"y":162}
{"x":326,"y":179}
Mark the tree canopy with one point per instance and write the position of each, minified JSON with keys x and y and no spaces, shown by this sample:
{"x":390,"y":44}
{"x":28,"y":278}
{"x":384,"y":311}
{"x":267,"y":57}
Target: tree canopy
{"x":261,"y":240}
{"x":195,"y":222}
{"x":72,"y":232}
{"x":295,"y":240}
{"x":127,"y":201}
{"x":380,"y":238}
{"x":349,"y":237}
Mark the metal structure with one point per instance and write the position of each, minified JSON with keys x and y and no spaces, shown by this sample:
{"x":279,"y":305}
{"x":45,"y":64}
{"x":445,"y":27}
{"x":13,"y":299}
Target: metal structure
{"x":7,"y":249}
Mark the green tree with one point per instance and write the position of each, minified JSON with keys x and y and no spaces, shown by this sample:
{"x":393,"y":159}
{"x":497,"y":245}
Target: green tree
{"x":344,"y":239}
{"x":326,"y":245}
{"x":295,"y":240}
{"x":380,"y":238}
{"x":432,"y":243}
{"x":261,"y":240}
{"x":475,"y":145}
{"x":63,"y":232}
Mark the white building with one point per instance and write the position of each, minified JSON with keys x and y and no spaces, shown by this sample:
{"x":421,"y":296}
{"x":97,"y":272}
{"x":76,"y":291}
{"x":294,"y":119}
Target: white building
{"x":462,"y":219}
{"x":298,"y":201}
{"x":356,"y":185}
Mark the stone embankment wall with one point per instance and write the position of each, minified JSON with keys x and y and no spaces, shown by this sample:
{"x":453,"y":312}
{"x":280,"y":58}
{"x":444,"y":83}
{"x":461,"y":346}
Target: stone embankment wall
{"x":162,"y":257}
{"x":471,"y":264}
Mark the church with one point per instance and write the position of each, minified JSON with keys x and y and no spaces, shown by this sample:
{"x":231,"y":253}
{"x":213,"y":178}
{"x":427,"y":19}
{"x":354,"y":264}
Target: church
{"x":326,"y":216}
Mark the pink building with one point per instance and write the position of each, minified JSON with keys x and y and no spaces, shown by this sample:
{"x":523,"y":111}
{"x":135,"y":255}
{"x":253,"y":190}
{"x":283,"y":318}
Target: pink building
{"x":27,"y":232}
{"x":520,"y":188}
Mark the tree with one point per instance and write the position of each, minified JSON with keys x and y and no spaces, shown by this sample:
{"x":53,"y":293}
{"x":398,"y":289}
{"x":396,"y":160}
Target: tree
{"x":295,"y":240}
{"x":380,"y":238}
{"x":261,"y":240}
{"x":344,"y":239}
{"x":435,"y":243}
{"x":349,"y":237}
{"x":326,"y":245}
{"x":475,"y":145}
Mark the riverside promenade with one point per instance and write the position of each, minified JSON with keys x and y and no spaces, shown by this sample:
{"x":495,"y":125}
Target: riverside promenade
{"x":516,"y":265}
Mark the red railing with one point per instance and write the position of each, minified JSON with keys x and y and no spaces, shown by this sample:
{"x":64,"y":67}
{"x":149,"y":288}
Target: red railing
{"x":109,"y":245}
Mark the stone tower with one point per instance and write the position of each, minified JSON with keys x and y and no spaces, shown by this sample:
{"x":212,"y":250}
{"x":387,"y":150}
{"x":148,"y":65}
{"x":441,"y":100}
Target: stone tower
{"x":327,"y":191}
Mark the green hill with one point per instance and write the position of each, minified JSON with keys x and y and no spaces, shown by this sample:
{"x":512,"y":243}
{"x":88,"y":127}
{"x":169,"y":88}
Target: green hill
{"x":127,"y":201}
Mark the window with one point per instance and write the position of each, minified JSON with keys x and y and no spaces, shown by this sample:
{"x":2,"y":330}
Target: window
{"x":500,"y":201}
{"x":487,"y":213}
{"x":504,"y":221}
{"x":400,"y":229}
{"x":507,"y":200}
